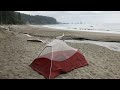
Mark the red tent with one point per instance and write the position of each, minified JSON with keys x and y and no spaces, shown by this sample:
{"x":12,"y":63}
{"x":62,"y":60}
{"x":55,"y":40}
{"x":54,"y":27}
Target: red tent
{"x":57,"y":57}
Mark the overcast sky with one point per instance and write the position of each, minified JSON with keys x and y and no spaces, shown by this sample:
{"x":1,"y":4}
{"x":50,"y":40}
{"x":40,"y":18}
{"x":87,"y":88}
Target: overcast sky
{"x":78,"y":16}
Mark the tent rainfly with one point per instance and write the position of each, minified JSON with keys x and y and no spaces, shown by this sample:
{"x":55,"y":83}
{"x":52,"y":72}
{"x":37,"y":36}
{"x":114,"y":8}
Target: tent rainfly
{"x":57,"y":57}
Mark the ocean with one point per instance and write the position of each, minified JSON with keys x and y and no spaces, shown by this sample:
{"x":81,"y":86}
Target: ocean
{"x":108,"y":27}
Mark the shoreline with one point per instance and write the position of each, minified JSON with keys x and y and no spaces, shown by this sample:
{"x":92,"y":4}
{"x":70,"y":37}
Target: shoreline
{"x":76,"y":34}
{"x":77,"y":29}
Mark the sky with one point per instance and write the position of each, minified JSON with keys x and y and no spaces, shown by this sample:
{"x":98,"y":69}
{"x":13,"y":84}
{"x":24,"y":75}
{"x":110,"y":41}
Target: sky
{"x":80,"y":16}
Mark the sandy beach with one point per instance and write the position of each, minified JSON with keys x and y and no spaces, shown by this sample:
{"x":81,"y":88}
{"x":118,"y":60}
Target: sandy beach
{"x":16,"y":53}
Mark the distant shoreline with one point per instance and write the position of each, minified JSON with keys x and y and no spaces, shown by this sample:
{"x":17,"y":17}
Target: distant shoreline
{"x":85,"y":27}
{"x":86,"y":34}
{"x":82,"y":34}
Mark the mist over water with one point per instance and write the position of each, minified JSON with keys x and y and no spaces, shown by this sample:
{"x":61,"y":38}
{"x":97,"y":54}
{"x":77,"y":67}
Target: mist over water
{"x":105,"y":28}
{"x":83,"y":20}
{"x":113,"y":27}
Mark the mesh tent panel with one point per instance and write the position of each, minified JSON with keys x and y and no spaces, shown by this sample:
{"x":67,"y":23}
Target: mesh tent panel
{"x":61,"y":51}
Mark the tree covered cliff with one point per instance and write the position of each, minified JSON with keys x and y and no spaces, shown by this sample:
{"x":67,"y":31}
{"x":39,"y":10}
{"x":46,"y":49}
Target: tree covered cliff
{"x":12,"y":17}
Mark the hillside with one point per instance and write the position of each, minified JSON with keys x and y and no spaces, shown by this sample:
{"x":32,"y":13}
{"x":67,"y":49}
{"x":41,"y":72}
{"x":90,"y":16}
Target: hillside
{"x":38,"y":19}
{"x":12,"y":17}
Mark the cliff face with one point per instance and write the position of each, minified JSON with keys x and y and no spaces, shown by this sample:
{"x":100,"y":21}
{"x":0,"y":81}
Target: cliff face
{"x":38,"y":19}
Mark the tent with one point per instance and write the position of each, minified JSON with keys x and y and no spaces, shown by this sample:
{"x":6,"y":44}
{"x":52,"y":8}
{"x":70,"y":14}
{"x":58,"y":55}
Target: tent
{"x":57,"y":57}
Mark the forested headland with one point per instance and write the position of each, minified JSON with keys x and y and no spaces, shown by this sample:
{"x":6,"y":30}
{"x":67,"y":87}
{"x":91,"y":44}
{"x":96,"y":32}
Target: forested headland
{"x":12,"y":17}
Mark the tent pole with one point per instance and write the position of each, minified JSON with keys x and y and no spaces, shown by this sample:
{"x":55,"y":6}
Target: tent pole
{"x":41,"y":51}
{"x":51,"y":58}
{"x":51,"y":63}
